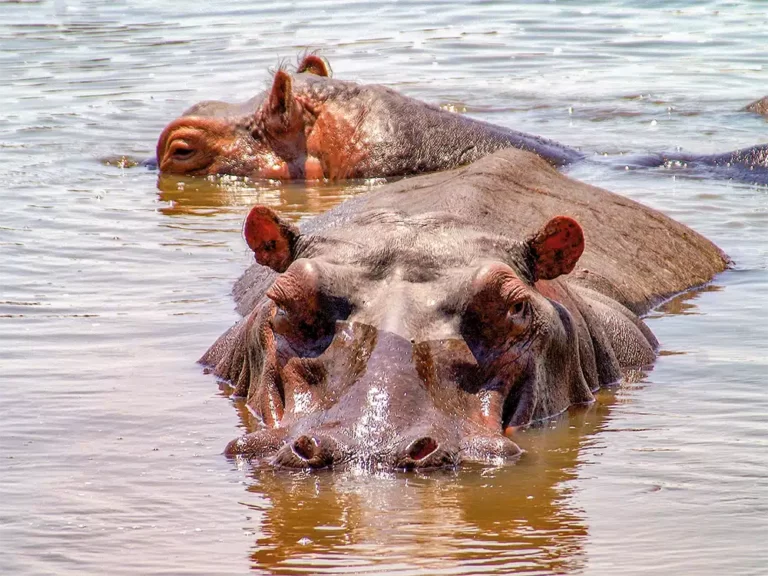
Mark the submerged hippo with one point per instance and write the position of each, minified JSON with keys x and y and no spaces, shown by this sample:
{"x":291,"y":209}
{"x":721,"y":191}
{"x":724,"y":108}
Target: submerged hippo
{"x":419,"y":325}
{"x":759,"y":107}
{"x":309,"y":126}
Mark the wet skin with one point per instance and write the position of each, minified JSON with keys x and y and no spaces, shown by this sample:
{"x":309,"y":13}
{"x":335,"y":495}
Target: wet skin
{"x":309,"y":126}
{"x":420,"y":325}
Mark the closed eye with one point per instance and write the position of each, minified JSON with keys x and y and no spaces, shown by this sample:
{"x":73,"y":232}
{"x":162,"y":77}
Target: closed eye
{"x":182,"y":152}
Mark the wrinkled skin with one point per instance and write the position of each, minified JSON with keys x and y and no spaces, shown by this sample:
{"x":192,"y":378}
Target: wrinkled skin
{"x":420,"y":325}
{"x":309,"y":126}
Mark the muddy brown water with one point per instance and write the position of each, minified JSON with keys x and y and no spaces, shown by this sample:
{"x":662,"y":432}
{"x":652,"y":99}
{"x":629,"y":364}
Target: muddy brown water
{"x":113,"y":283}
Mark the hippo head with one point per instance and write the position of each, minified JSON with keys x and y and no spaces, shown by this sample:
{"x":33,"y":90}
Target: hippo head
{"x":410,"y":341}
{"x":263,"y":138}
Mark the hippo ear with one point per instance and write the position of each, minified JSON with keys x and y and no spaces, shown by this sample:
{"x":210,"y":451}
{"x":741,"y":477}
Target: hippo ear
{"x":283,"y":112}
{"x":271,"y":238}
{"x":556,"y":248}
{"x":313,"y":64}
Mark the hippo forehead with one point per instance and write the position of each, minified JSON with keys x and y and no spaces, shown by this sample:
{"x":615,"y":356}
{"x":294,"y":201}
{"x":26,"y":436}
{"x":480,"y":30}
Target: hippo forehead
{"x":218,"y":109}
{"x":317,"y":88}
{"x":409,"y":276}
{"x":415,"y":248}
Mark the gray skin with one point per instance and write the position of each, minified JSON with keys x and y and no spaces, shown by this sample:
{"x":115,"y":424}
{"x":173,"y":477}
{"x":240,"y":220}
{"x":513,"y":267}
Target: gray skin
{"x":420,"y":325}
{"x":310,"y":126}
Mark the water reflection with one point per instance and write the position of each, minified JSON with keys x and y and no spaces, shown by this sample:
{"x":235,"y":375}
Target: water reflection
{"x":121,"y":161}
{"x":213,"y":195}
{"x":519,"y":517}
{"x":684,"y":304}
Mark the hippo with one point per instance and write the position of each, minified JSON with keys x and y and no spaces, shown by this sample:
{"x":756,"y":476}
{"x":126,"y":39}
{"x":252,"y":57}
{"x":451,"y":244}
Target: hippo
{"x":758,"y":107}
{"x":420,"y":325}
{"x":311,"y":126}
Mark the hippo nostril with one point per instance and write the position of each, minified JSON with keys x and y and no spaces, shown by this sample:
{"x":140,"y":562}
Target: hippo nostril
{"x":306,"y":447}
{"x":421,"y":448}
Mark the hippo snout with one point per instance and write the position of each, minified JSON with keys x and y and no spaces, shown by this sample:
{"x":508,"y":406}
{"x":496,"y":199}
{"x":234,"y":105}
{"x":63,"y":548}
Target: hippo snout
{"x":317,"y":451}
{"x":256,"y":444}
{"x":420,"y":451}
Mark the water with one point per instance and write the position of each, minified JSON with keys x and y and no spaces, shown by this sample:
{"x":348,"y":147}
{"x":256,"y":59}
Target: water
{"x":114,"y":283}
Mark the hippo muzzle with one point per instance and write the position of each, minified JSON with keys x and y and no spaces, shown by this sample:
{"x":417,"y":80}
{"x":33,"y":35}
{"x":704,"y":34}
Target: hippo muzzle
{"x":388,"y":418}
{"x":318,"y":450}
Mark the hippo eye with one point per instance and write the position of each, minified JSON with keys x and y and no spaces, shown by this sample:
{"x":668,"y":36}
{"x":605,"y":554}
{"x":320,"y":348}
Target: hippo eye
{"x":181,"y":150}
{"x":307,"y":333}
{"x":281,"y":322}
{"x":518,"y":308}
{"x":183,"y":153}
{"x":306,"y":323}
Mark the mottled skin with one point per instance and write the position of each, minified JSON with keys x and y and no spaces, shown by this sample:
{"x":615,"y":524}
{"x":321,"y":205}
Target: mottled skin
{"x":309,"y":126}
{"x":421,"y":324}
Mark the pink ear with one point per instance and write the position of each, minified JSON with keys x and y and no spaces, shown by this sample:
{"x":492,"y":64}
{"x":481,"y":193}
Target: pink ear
{"x":281,"y":95}
{"x":271,"y":238}
{"x":283,"y":113}
{"x":313,"y":64}
{"x":556,"y":247}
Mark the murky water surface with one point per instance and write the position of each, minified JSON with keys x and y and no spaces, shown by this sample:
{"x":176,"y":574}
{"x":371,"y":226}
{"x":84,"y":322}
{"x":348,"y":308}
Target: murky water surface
{"x":113,"y":284}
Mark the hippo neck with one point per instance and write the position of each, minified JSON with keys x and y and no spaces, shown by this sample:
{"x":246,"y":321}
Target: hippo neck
{"x":429,"y":138}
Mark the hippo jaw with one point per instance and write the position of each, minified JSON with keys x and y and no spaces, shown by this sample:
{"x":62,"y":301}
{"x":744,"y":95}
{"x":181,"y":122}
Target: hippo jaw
{"x":420,"y":344}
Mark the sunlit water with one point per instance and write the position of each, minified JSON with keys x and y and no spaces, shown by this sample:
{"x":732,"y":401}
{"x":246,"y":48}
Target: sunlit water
{"x":111,"y":435}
